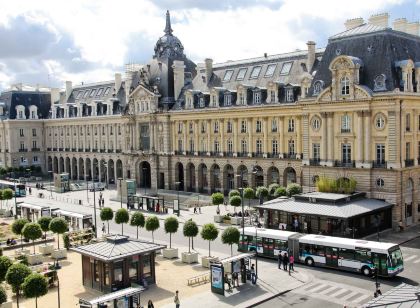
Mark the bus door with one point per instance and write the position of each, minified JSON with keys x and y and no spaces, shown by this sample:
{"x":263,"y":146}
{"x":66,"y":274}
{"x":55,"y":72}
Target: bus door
{"x":268,"y":247}
{"x":331,"y":256}
{"x":379,"y":260}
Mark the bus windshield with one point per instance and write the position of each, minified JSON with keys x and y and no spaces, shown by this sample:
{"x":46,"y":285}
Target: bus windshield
{"x":395,"y":257}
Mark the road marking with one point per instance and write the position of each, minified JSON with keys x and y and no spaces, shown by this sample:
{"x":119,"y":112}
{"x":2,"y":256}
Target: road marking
{"x":326,"y":290}
{"x":331,"y":291}
{"x":350,"y":295}
{"x":361,"y":298}
{"x":313,"y":285}
{"x":342,"y":291}
{"x":410,"y":258}
{"x":417,"y":261}
{"x":317,"y":288}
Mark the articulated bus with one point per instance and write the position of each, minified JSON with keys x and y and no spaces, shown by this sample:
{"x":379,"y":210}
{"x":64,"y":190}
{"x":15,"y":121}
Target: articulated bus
{"x":20,"y":188}
{"x":326,"y":251}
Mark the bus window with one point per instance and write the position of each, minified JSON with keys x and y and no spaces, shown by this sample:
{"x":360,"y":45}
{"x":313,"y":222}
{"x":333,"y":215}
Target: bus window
{"x":280,"y":245}
{"x":347,"y":254}
{"x":363,"y":256}
{"x":396,"y":257}
{"x":319,"y":250}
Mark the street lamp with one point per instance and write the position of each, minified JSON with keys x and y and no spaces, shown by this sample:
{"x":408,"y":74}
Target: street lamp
{"x":94,"y":207}
{"x":120,"y":181}
{"x":177,"y":189}
{"x":15,"y":180}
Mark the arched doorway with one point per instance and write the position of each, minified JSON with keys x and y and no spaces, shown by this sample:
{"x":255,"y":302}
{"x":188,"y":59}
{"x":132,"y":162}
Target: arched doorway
{"x":215,"y":178}
{"x":103,"y":166}
{"x":88,"y":166}
{"x":119,"y":169}
{"x":228,"y":179}
{"x":81,"y":169}
{"x":61,"y":165}
{"x":190,"y":177}
{"x":273,"y":175}
{"x":202,"y":178}
{"x":67,"y":169}
{"x":55,"y":165}
{"x":74,"y":168}
{"x":258,"y":176}
{"x":50,"y":164}
{"x":243,"y":180}
{"x":179,"y":176}
{"x":111,"y":172}
{"x":145,"y":175}
{"x":95,"y":171}
{"x":289,"y":176}
{"x":408,"y":202}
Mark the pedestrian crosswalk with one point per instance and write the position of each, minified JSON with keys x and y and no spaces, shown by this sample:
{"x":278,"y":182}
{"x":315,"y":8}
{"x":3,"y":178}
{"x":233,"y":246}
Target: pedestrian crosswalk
{"x":335,"y":292}
{"x":411,"y":258}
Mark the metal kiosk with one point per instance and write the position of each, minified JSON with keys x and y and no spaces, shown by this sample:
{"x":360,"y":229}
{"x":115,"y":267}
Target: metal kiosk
{"x":128,"y":297}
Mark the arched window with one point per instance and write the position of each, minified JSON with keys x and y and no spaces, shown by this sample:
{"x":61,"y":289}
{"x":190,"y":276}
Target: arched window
{"x":345,"y":85}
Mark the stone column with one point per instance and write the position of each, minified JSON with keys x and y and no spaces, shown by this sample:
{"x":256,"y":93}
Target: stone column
{"x":281,"y":136}
{"x":415,"y":139}
{"x":265,"y":130}
{"x":235,"y":136}
{"x":185,"y":142}
{"x":368,"y":145}
{"x":324,"y":137}
{"x":330,"y":148}
{"x":298,"y":138}
{"x":305,"y":138}
{"x":359,"y":137}
{"x":196,"y":137}
{"x":175,"y":136}
{"x":208,"y":136}
{"x":250,"y":145}
{"x":222,"y":135}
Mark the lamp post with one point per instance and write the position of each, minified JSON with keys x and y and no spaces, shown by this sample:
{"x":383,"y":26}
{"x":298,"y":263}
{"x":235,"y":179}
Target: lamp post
{"x":94,"y":207}
{"x":120,"y":180}
{"x":15,"y":180}
{"x":241,"y":189}
{"x":177,"y":189}
{"x":51,"y":183}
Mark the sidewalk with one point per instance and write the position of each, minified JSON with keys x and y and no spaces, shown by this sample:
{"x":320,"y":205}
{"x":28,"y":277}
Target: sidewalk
{"x":399,"y":238}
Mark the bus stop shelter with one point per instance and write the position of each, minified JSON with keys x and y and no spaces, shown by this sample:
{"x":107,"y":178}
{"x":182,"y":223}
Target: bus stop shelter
{"x":151,"y":203}
{"x":128,"y":297}
{"x":32,"y":212}
{"x":224,"y":271}
{"x":76,"y":221}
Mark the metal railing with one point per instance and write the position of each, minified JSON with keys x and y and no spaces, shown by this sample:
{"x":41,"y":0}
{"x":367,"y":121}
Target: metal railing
{"x":409,"y":162}
{"x":200,"y":279}
{"x":314,"y":162}
{"x":345,"y":163}
{"x":379,"y":164}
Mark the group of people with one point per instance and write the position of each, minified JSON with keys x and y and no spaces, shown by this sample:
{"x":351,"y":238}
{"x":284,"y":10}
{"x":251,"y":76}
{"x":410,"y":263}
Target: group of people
{"x":286,"y":261}
{"x":11,"y":242}
{"x":195,"y":209}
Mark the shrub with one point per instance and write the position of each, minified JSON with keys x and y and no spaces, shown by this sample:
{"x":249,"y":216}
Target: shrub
{"x":171,"y":226}
{"x":217,"y":198}
{"x":152,"y":224}
{"x":209,"y":233}
{"x":341,"y":185}
{"x":262,"y":192}
{"x":15,"y":276}
{"x":190,"y":230}
{"x":106,"y":215}
{"x":230,"y":236}
{"x":66,"y":241}
{"x":35,"y":285}
{"x":272,"y":188}
{"x":23,"y":259}
{"x":293,"y":189}
{"x":280,"y":191}
{"x":32,"y":231}
{"x":234,"y":192}
{"x":137,"y":220}
{"x":5,"y":263}
{"x":58,"y":225}
{"x":44,"y":222}
{"x":17,"y":227}
{"x":3,"y":295}
{"x":226,"y":217}
{"x":235,"y":201}
{"x":121,"y":218}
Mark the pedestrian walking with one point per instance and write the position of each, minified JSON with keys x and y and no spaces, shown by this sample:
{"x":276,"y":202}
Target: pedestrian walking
{"x":199,"y":209}
{"x":291,"y":263}
{"x":280,"y":260}
{"x":195,"y":210}
{"x":285,"y":261}
{"x":150,"y":304}
{"x":103,"y":228}
{"x":176,"y":299}
{"x":30,"y":190}
{"x":103,"y":202}
{"x":253,"y":275}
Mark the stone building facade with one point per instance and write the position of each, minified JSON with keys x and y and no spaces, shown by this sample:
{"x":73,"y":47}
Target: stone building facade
{"x":351,"y":109}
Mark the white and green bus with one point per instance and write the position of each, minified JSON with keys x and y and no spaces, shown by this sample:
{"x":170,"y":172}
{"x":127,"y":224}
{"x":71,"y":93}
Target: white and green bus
{"x":326,"y":251}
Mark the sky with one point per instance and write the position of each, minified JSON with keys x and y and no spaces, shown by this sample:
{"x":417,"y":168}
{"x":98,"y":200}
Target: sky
{"x":50,"y":41}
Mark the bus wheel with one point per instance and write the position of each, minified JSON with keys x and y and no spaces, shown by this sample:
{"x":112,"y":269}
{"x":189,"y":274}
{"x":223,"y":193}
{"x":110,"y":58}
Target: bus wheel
{"x":309,"y":262}
{"x":366,"y":271}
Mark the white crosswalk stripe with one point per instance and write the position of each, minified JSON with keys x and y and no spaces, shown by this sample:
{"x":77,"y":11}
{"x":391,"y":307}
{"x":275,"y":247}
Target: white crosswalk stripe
{"x":327,"y":290}
{"x":417,"y":261}
{"x":361,"y":298}
{"x":410,"y":258}
{"x":338,"y":293}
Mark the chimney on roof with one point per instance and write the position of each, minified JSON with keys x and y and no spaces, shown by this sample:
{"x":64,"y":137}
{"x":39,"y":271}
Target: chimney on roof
{"x":310,"y":59}
{"x":353,"y":23}
{"x":55,"y":95}
{"x":118,"y":82}
{"x":380,"y":20}
{"x":69,"y":88}
{"x":400,"y":24}
{"x":209,"y":68}
{"x":413,"y":28}
{"x":179,"y":79}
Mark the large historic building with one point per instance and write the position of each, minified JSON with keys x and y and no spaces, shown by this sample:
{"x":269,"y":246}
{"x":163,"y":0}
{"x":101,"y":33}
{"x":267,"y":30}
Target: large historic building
{"x":351,"y":109}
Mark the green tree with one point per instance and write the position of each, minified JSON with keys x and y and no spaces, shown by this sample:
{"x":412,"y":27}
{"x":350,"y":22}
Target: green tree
{"x":15,"y":276}
{"x":106,"y":215}
{"x":58,"y":225}
{"x":262,"y":192}
{"x":190,"y":230}
{"x":249,"y":194}
{"x":152,"y":224}
{"x":280,"y":191}
{"x":122,"y":217}
{"x":234,"y":192}
{"x":5,"y":263}
{"x":235,"y":201}
{"x":35,"y":285}
{"x":230,"y":236}
{"x":7,"y":194}
{"x":32,"y":231}
{"x":137,"y":220}
{"x":209,"y":233}
{"x":293,"y":189}
{"x":217,"y":198}
{"x":171,"y":226}
{"x":3,"y":295}
{"x":272,"y":188}
{"x":17,"y":227}
{"x":44,"y":222}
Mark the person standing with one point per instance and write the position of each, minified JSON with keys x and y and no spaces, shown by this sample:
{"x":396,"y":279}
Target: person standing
{"x":291,"y":263}
{"x":285,"y":261}
{"x":150,"y":304}
{"x":103,"y":228}
{"x":280,"y":259}
{"x":176,"y":300}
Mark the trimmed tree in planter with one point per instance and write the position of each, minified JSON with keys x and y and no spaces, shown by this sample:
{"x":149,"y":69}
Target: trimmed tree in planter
{"x":235,"y":201}
{"x":209,"y":233}
{"x":121,"y":218}
{"x":217,"y":198}
{"x":5,"y":263}
{"x":137,"y":220}
{"x":15,"y":276}
{"x":152,"y":224}
{"x":262,"y":192}
{"x":234,"y":192}
{"x":17,"y":227}
{"x":190,"y":230}
{"x":280,"y":191}
{"x":272,"y":188}
{"x":249,"y":194}
{"x":106,"y":215}
{"x":3,"y":295}
{"x":230,"y":236}
{"x":293,"y":189}
{"x":32,"y":231}
{"x":7,"y":194}
{"x":58,"y":225}
{"x":171,"y":226}
{"x":44,"y":223}
{"x":35,"y":285}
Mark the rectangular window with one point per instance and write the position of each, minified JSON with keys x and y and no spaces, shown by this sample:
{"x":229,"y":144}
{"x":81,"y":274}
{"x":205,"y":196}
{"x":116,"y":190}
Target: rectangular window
{"x":35,"y":159}
{"x":228,"y":99}
{"x":291,"y":147}
{"x":179,"y":127}
{"x":216,"y":146}
{"x":270,"y":70}
{"x":289,"y":95}
{"x":346,"y":153}
{"x":258,"y":126}
{"x":291,"y":127}
{"x":243,"y":126}
{"x":259,"y":148}
{"x":274,"y":126}
{"x":272,"y":96}
{"x":202,"y":103}
{"x":407,"y":150}
{"x":230,"y":146}
{"x":345,"y":124}
{"x":407,"y":122}
{"x":216,"y":126}
{"x":257,"y":97}
{"x":228,"y":75}
{"x":22,"y":145}
{"x":229,"y":127}
{"x":32,"y":114}
{"x":285,"y":69}
{"x":316,"y":151}
{"x":180,"y":148}
{"x":244,"y":147}
{"x":191,"y":145}
{"x":241,"y":99}
{"x":21,"y":132}
{"x":34,"y":144}
{"x":241,"y":74}
{"x":363,"y":256}
{"x":380,"y":153}
{"x":255,"y":72}
{"x":347,"y":254}
{"x":274,"y":146}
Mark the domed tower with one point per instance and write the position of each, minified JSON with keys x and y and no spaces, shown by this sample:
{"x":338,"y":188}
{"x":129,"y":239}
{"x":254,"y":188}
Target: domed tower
{"x":168,"y":49}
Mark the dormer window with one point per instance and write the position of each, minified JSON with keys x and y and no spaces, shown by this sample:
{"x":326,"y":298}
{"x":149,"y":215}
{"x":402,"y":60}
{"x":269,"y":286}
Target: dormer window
{"x":107,"y":91}
{"x":241,"y":74}
{"x":257,"y":97}
{"x":345,"y":85}
{"x":92,"y":94}
{"x":228,"y":99}
{"x":190,"y":104}
{"x":379,"y":83}
{"x":318,"y":85}
{"x":213,"y":100}
{"x":270,"y":70}
{"x":241,"y":99}
{"x":285,"y":69}
{"x":201,"y":102}
{"x":255,"y":72}
{"x":272,"y":96}
{"x":289,"y":95}
{"x":228,"y":75}
{"x":86,"y":94}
